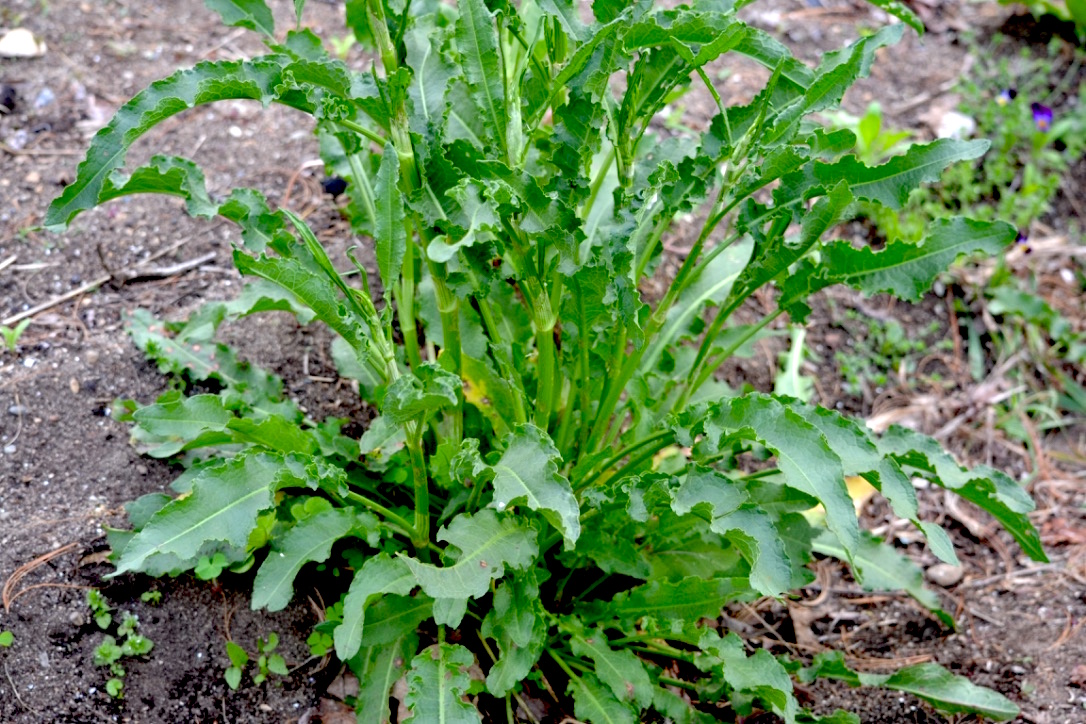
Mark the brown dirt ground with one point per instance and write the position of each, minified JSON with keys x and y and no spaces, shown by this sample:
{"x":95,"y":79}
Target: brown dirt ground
{"x":66,"y":468}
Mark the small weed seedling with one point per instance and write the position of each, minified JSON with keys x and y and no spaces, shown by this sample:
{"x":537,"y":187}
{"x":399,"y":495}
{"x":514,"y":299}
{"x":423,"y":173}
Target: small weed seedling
{"x":6,"y":639}
{"x":556,"y":486}
{"x":267,"y":662}
{"x":11,"y":335}
{"x":127,"y":643}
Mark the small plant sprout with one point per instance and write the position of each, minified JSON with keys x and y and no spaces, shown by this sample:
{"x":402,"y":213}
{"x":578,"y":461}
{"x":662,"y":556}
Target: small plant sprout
{"x":11,"y":335}
{"x":152,"y":598}
{"x":113,"y":649}
{"x":6,"y":639}
{"x":267,"y":661}
{"x":556,"y":484}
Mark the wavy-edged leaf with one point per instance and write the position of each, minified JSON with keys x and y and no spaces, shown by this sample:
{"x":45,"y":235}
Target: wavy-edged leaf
{"x":393,"y":616}
{"x":309,"y":541}
{"x":594,"y":703}
{"x":890,"y":183}
{"x":878,"y":567}
{"x":378,"y":576}
{"x":805,"y":459}
{"x":758,"y":675}
{"x":931,"y":682}
{"x":516,"y":623}
{"x":477,"y":43}
{"x":676,"y":604}
{"x":528,"y":473}
{"x":902,"y":12}
{"x":907,"y":270}
{"x":255,"y":79}
{"x":989,"y":489}
{"x":485,"y":544}
{"x":378,"y":668}
{"x":174,"y":421}
{"x":389,"y":234}
{"x":417,"y":394}
{"x":620,"y":670}
{"x":222,"y":508}
{"x":250,"y":14}
{"x":436,"y":682}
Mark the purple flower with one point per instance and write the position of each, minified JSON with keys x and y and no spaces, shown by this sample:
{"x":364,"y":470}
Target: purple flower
{"x":1006,"y":96}
{"x":1023,"y":242}
{"x":1042,"y":117}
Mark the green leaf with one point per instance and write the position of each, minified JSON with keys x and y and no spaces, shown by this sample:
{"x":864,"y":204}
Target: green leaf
{"x":878,"y":567}
{"x":989,"y":489}
{"x":516,"y":623}
{"x":595,"y":704}
{"x":251,"y":14}
{"x":237,"y":655}
{"x":805,"y":459}
{"x":309,"y":540}
{"x":389,"y":234}
{"x":485,"y":544}
{"x":620,"y":670}
{"x":902,"y":12}
{"x":907,"y":270}
{"x":932,"y":683}
{"x":528,"y":473}
{"x":255,"y":79}
{"x":758,"y":675}
{"x":222,"y":508}
{"x":677,"y":604}
{"x":232,"y":675}
{"x":174,"y":421}
{"x":891,"y":183}
{"x":6,"y":638}
{"x":436,"y":682}
{"x":378,"y":576}
{"x":415,"y":395}
{"x":378,"y":668}
{"x":477,"y":43}
{"x":393,"y":616}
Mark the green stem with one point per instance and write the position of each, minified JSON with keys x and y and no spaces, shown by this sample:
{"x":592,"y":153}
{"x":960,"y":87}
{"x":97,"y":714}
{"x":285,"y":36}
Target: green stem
{"x":664,"y":436}
{"x":597,"y":182}
{"x":363,"y":131}
{"x":448,"y":306}
{"x":421,"y":482}
{"x":405,"y":304}
{"x":701,"y":371}
{"x":398,"y":521}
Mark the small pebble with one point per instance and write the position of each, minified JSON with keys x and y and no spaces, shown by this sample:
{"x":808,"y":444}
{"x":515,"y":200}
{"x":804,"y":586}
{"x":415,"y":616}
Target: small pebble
{"x":91,"y":356}
{"x":33,"y":178}
{"x":73,"y":385}
{"x":9,"y":449}
{"x":945,"y":575}
{"x":17,"y":410}
{"x":141,"y":469}
{"x":43,"y":659}
{"x":45,"y":97}
{"x":75,"y":618}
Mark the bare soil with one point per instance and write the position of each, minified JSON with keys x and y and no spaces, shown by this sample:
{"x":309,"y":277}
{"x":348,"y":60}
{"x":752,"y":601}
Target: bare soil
{"x":66,"y":467}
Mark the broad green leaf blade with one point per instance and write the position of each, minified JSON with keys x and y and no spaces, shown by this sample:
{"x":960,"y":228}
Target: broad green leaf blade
{"x":620,"y":670}
{"x":316,"y":291}
{"x":378,"y":576}
{"x":931,"y":682}
{"x":255,"y":79}
{"x":528,"y":473}
{"x":758,"y":675}
{"x":516,"y":623}
{"x":309,"y":540}
{"x":752,"y":532}
{"x":676,"y":604}
{"x":477,"y":43}
{"x":891,"y":183}
{"x":378,"y":668}
{"x":222,"y":508}
{"x":389,"y":235}
{"x":436,"y":682}
{"x":989,"y":489}
{"x":878,"y":567}
{"x":595,"y":704}
{"x":486,"y":544}
{"x":393,"y":616}
{"x":250,"y":14}
{"x":414,"y":395}
{"x":803,"y":455}
{"x":907,"y":270}
{"x":174,"y":421}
